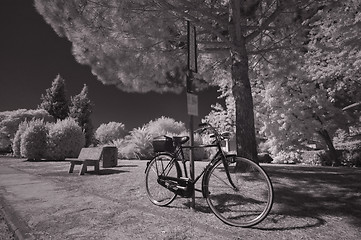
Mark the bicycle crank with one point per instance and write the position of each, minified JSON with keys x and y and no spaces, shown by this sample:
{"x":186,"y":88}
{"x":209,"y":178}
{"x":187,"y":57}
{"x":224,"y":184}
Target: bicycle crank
{"x":183,"y":187}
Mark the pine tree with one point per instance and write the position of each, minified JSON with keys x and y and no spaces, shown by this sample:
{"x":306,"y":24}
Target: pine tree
{"x":55,"y":101}
{"x":81,"y":109}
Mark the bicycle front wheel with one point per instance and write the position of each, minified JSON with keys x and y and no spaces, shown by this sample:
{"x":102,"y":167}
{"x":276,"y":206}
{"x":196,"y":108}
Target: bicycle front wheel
{"x":161,"y":165}
{"x":244,"y":198}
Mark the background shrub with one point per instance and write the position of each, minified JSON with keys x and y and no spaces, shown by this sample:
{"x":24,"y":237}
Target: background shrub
{"x":351,"y":158}
{"x":10,"y":120}
{"x":108,"y":132}
{"x":350,"y":153}
{"x":33,"y":140}
{"x":312,"y":157}
{"x":264,"y":158}
{"x":65,"y":139}
{"x":136,"y":145}
{"x":165,"y":126}
{"x":17,"y":138}
{"x":287,"y":157}
{"x":198,"y":153}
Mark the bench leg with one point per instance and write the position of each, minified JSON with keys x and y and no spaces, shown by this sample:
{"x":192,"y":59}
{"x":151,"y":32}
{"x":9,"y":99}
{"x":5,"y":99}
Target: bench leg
{"x":71,"y":169}
{"x":84,"y":168}
{"x":96,"y":167}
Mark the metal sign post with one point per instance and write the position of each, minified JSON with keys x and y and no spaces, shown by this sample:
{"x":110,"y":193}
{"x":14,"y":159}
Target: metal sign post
{"x":192,"y":99}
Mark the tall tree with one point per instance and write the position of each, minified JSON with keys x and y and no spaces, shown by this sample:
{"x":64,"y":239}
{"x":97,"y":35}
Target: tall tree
{"x":296,"y":111}
{"x":321,"y":78}
{"x":80,"y":109}
{"x":55,"y":101}
{"x":140,"y":45}
{"x":334,"y":51}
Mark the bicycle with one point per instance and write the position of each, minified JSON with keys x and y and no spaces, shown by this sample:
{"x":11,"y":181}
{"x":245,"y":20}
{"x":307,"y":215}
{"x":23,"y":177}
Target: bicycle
{"x":238,"y":191}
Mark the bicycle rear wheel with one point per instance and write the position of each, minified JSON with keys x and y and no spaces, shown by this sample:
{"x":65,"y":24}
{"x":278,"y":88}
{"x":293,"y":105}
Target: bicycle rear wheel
{"x":248,"y":201}
{"x":161,"y":165}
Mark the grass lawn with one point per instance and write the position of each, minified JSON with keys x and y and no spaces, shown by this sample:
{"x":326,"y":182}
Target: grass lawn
{"x":310,"y":203}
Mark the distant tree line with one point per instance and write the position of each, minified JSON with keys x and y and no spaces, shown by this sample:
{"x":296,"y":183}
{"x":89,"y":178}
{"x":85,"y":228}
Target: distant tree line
{"x":57,"y":104}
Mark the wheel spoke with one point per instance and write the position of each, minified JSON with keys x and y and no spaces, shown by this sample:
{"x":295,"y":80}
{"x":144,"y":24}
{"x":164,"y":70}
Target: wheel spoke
{"x":161,"y":165}
{"x":226,"y":182}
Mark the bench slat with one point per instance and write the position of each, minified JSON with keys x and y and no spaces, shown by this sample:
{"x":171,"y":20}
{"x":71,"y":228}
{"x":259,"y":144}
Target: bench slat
{"x":90,"y":153}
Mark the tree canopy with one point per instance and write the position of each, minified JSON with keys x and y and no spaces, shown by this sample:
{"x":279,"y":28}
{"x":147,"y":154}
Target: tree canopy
{"x":141,"y":45}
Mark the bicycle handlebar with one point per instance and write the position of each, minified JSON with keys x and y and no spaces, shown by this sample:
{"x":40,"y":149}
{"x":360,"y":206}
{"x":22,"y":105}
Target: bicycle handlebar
{"x":206,"y":126}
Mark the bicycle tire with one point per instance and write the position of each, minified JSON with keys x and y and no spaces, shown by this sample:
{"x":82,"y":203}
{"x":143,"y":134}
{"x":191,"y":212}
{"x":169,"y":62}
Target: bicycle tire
{"x":245,"y":206}
{"x":166,"y":165}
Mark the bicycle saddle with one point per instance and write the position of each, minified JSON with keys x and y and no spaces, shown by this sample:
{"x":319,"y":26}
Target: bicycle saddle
{"x":180,"y":140}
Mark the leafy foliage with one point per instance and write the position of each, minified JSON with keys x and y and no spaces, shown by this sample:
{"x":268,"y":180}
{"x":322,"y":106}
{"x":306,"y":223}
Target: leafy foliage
{"x":55,"y":101}
{"x":165,"y":126}
{"x":33,"y":140}
{"x":17,"y":139}
{"x":10,"y":121}
{"x":109,"y":132}
{"x":300,"y":98}
{"x":222,"y":118}
{"x":333,"y":56}
{"x":80,"y":109}
{"x":198,"y":153}
{"x":290,"y":157}
{"x":115,"y":38}
{"x":294,"y":111}
{"x":65,"y":139}
{"x":136,"y":145}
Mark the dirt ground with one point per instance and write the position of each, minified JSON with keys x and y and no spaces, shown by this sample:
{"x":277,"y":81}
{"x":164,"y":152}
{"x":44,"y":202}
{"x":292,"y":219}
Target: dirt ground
{"x":310,"y":203}
{"x":5,"y":231}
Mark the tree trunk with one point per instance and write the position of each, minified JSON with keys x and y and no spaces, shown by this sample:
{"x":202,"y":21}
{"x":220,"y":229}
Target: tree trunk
{"x":241,"y":87}
{"x":333,"y":153}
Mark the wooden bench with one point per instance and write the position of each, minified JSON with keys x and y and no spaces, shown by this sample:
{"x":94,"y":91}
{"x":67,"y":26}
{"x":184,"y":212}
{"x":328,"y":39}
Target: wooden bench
{"x":87,"y":157}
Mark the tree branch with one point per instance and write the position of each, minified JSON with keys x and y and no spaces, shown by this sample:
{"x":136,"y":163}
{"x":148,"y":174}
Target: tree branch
{"x":266,"y":23}
{"x":187,"y":16}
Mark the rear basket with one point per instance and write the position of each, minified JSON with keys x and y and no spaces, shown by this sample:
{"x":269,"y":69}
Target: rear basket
{"x":163,"y":144}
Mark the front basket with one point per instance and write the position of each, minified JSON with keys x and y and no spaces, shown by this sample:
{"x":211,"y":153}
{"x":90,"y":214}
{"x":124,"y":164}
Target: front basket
{"x":163,"y":144}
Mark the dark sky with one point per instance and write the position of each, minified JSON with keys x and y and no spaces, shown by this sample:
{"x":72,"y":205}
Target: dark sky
{"x":31,"y":55}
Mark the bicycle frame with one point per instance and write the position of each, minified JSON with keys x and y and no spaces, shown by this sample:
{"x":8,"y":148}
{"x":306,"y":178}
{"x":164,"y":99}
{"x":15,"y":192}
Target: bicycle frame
{"x":220,"y":154}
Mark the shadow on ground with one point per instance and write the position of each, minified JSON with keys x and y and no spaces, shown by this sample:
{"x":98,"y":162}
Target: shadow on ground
{"x":108,"y":172}
{"x":305,"y":195}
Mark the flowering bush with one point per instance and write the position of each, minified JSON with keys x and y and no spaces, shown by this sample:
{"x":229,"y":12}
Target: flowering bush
{"x":65,"y":139}
{"x":33,"y":140}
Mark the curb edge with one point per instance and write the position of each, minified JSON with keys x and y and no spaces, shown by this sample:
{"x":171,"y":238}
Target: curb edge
{"x":17,"y":226}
